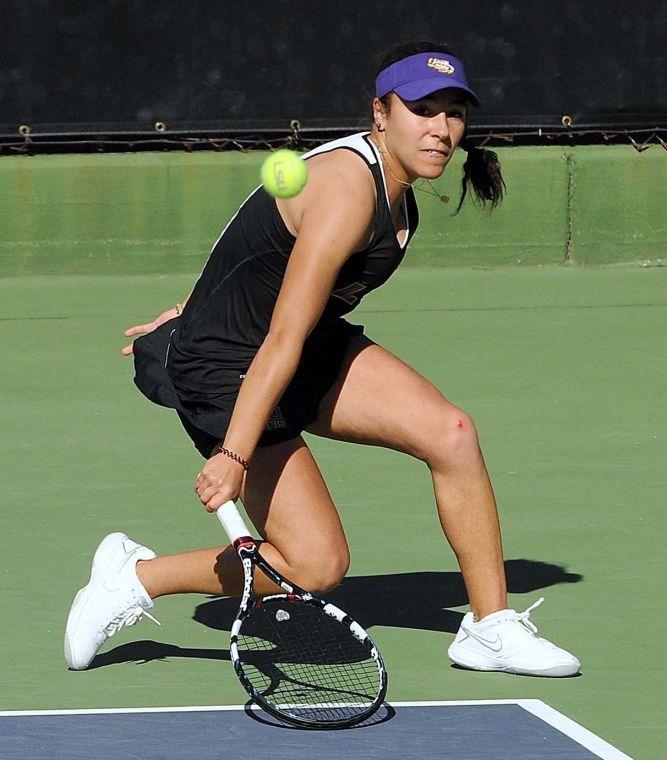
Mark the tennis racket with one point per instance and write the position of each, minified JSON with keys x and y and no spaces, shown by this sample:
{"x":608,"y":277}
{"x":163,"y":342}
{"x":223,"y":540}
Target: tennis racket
{"x":299,"y":657}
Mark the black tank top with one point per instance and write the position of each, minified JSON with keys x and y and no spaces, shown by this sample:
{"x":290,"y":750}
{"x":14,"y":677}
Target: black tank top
{"x":228,"y":314}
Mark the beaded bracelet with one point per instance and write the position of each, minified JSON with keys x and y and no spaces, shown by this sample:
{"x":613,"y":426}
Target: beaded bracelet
{"x":220,"y":449}
{"x":179,"y":309}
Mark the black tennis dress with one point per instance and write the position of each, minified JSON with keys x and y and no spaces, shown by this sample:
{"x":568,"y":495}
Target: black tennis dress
{"x":196,"y":363}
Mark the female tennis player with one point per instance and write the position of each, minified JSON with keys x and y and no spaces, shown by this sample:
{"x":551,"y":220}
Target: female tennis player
{"x":259,"y":352}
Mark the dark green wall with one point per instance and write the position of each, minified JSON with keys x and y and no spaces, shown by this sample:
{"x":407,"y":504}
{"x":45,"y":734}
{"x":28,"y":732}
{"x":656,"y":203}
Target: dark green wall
{"x":162,"y":212}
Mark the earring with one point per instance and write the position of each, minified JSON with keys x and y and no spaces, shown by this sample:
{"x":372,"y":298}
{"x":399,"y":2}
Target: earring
{"x":379,"y":126}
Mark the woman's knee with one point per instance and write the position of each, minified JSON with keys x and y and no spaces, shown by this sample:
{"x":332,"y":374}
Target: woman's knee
{"x":449,"y":439}
{"x":323,"y":572}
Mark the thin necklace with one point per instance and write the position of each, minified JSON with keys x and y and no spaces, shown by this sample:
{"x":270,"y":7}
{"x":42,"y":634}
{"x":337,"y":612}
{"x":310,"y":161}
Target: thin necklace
{"x":431,"y":189}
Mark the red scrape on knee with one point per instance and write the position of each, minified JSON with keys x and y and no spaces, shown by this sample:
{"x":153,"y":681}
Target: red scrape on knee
{"x":460,"y":424}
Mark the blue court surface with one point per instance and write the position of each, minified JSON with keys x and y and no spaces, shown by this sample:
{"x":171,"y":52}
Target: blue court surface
{"x":523,"y":729}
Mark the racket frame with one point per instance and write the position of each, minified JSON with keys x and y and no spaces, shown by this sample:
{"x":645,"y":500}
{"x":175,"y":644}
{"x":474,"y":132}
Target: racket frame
{"x":247,"y":549}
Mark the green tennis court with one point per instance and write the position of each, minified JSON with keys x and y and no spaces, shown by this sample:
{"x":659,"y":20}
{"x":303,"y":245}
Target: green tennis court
{"x":563,"y":369}
{"x":130,"y":135}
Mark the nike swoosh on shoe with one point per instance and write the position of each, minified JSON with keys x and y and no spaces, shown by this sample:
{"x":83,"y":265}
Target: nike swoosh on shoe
{"x":495,"y":645}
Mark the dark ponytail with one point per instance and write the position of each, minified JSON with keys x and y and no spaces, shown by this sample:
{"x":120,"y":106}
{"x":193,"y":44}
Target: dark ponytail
{"x":482,"y":170}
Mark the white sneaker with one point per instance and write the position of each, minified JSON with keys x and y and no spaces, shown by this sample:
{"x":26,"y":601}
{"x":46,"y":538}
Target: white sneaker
{"x":114,"y":598}
{"x":508,"y":641}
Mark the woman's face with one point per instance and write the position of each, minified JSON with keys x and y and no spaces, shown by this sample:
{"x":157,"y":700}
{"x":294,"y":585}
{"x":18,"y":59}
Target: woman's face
{"x":421,"y":135}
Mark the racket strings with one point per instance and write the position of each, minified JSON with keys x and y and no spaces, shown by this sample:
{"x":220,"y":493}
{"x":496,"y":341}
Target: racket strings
{"x":306,"y":663}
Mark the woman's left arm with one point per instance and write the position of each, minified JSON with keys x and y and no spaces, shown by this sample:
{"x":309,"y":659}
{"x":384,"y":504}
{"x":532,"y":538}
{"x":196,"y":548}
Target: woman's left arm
{"x":172,"y":313}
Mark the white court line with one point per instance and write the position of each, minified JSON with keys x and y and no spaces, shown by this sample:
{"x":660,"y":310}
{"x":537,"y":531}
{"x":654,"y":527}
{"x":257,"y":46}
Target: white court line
{"x":222,"y":708}
{"x":123,"y":710}
{"x":557,"y":720}
{"x":536,"y":707}
{"x":576,"y":732}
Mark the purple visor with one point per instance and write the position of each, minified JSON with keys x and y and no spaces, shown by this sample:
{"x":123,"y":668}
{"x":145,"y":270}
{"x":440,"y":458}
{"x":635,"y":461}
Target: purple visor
{"x":422,"y":74}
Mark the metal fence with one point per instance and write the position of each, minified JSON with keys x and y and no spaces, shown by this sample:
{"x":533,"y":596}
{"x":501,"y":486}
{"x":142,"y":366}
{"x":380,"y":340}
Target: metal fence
{"x":122,"y":74}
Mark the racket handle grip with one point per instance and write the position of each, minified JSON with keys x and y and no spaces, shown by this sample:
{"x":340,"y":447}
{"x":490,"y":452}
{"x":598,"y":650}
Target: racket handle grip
{"x":232,"y":522}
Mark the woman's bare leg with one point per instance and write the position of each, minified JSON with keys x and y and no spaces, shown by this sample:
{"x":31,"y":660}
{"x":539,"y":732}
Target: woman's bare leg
{"x":380,"y":400}
{"x":288,"y":501}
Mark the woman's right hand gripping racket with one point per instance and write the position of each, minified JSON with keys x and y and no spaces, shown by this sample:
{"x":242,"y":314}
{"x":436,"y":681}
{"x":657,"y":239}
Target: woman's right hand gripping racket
{"x":300,"y":658}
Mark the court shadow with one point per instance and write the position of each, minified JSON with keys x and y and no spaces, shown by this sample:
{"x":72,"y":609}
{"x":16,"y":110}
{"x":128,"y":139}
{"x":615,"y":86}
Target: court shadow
{"x":141,"y":652}
{"x":402,"y":600}
{"x":407,"y":600}
{"x":384,"y":713}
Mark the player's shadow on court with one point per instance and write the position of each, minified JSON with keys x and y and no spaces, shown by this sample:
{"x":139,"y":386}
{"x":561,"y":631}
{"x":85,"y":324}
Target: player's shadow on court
{"x":402,"y":600}
{"x":141,"y":652}
{"x":407,"y":600}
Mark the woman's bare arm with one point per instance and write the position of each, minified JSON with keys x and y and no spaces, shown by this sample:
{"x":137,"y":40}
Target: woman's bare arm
{"x":336,"y":221}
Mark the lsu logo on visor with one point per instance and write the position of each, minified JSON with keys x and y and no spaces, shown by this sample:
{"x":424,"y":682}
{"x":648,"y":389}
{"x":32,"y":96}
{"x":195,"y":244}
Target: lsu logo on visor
{"x":441,"y":64}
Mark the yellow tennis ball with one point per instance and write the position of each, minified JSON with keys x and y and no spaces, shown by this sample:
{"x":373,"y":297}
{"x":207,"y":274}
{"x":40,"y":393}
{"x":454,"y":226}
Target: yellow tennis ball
{"x":284,"y":174}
